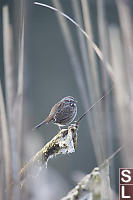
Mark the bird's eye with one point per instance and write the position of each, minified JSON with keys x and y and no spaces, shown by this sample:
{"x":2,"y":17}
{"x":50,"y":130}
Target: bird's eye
{"x":71,"y":104}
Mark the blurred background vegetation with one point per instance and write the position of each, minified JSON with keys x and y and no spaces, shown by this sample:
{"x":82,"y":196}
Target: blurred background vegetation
{"x":45,"y":57}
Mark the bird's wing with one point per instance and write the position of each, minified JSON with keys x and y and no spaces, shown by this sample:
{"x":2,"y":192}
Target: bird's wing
{"x":53,"y":112}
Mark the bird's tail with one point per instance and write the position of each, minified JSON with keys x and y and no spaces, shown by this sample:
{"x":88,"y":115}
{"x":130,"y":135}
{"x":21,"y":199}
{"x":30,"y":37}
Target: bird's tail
{"x":37,"y":126}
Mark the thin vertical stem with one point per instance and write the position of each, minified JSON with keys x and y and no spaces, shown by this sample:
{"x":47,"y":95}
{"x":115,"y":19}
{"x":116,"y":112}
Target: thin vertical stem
{"x":5,"y":144}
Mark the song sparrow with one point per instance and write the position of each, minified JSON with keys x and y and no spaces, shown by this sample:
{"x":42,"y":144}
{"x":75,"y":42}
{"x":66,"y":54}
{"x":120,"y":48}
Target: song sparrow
{"x":62,"y":113}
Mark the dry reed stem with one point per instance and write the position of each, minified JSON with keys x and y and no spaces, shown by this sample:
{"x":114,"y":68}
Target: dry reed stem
{"x":10,"y":93}
{"x":105,"y":47}
{"x":18,"y":107}
{"x":91,"y":55}
{"x":126,"y":30}
{"x":8,"y":61}
{"x":82,"y":44}
{"x":10,"y":97}
{"x":2,"y":167}
{"x":104,"y":44}
{"x":20,"y":77}
{"x":125,"y":104}
{"x":5,"y":144}
{"x":122,"y":107}
{"x":94,"y":92}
